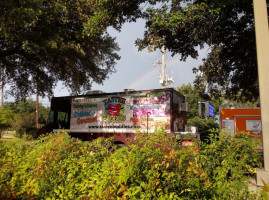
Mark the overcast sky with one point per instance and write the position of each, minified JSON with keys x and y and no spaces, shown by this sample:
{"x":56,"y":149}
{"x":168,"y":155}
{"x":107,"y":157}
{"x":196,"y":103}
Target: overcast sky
{"x":137,"y":70}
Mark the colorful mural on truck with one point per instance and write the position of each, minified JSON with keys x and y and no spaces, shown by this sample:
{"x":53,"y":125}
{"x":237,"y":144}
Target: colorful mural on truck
{"x":124,"y":113}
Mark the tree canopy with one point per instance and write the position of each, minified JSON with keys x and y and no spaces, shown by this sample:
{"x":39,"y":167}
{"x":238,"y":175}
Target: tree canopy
{"x":43,"y":42}
{"x":193,"y":99}
{"x":205,"y":126}
{"x":21,"y":115}
{"x":225,"y":27}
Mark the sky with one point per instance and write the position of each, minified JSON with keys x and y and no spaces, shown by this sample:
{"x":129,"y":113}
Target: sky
{"x":138,"y":69}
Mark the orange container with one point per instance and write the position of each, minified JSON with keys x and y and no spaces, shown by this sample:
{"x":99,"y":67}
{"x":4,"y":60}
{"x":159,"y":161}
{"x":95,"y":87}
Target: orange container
{"x":242,"y":119}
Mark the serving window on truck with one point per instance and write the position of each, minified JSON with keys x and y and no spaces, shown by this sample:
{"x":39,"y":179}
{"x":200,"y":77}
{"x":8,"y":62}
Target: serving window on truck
{"x":121,"y":113}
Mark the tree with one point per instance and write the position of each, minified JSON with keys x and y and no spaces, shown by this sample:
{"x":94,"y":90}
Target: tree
{"x":192,"y":97}
{"x":28,"y":106}
{"x":2,"y":83}
{"x":227,"y":27}
{"x":24,"y":116}
{"x":22,"y":106}
{"x":6,"y":120}
{"x":42,"y":42}
{"x":205,"y":125}
{"x":43,"y":114}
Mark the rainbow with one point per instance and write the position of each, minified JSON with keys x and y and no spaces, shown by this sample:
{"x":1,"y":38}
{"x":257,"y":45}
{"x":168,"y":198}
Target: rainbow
{"x":141,"y":78}
{"x":133,"y":84}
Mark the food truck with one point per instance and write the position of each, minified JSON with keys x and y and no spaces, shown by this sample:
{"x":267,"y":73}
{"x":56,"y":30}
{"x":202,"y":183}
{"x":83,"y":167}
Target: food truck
{"x":119,"y":114}
{"x":242,"y":120}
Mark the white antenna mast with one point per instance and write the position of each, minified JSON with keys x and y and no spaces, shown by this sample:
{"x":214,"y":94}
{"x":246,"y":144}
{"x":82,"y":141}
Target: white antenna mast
{"x":164,"y":79}
{"x":163,"y":66}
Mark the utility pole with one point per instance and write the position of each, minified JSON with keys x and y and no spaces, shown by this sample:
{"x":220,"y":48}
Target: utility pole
{"x":2,"y":85}
{"x":36,"y":108}
{"x":262,"y":44}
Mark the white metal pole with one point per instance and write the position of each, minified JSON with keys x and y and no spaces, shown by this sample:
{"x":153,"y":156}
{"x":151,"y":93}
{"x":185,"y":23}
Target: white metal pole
{"x":163,"y":66}
{"x":262,"y":44}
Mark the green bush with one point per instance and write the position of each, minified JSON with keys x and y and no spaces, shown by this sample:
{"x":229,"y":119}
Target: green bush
{"x":56,"y":166}
{"x":6,"y":120}
{"x":226,"y":161}
{"x":204,"y":126}
{"x":23,"y":122}
{"x":152,"y":167}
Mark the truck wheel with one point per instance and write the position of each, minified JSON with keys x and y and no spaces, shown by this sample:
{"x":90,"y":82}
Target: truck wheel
{"x":119,"y":144}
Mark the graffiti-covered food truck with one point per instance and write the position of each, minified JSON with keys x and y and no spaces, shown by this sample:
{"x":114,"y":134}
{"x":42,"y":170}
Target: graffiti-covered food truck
{"x":119,"y":114}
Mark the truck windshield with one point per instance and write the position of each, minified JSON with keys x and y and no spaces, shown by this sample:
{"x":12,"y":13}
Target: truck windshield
{"x":59,"y":115}
{"x":50,"y":118}
{"x":63,"y":120}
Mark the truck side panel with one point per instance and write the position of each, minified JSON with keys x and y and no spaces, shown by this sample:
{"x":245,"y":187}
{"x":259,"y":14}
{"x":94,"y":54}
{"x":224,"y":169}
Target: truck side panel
{"x":121,"y":113}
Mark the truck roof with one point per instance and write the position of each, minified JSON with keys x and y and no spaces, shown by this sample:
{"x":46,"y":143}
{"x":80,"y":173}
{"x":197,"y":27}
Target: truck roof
{"x":126,"y":92}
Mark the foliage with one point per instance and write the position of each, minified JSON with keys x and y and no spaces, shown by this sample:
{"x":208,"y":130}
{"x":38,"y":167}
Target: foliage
{"x":265,"y":189}
{"x":25,"y":106}
{"x":152,"y":167}
{"x":43,"y":42}
{"x":230,"y":103}
{"x":192,"y":98}
{"x":204,"y":126}
{"x":227,"y":160}
{"x":56,"y":166}
{"x":23,"y":118}
{"x":22,"y":122}
{"x":6,"y":120}
{"x":28,"y":106}
{"x":225,"y":27}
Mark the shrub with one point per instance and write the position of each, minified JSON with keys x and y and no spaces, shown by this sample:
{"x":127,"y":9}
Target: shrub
{"x":226,"y":161}
{"x":153,"y":166}
{"x":204,"y":126}
{"x":6,"y":120}
{"x":55,"y":166}
{"x":11,"y":154}
{"x":23,"y":122}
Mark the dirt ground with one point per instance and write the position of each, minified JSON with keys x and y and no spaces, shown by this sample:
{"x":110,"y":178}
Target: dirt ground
{"x":252,"y":185}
